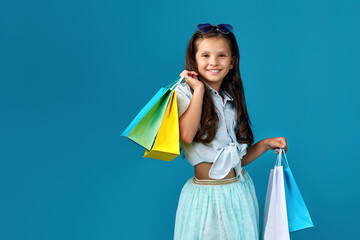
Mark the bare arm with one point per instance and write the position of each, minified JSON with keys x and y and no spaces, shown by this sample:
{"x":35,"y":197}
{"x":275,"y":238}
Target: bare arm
{"x":262,"y":146}
{"x":254,"y":152}
{"x":190,"y":119}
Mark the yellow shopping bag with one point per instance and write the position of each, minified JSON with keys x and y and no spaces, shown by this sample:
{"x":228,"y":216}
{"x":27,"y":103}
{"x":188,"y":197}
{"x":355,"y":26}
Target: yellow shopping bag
{"x":166,"y":145}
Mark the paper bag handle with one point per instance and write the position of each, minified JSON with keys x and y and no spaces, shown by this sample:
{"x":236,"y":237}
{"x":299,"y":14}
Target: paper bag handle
{"x":177,"y":83}
{"x":173,"y":85}
{"x":279,"y":158}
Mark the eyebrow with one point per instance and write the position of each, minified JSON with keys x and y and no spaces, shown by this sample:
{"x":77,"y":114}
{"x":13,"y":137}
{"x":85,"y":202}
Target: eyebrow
{"x":218,"y":52}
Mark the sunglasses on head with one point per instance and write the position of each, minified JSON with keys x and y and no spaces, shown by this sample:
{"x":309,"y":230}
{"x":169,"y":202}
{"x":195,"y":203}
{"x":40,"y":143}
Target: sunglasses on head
{"x":207,"y":27}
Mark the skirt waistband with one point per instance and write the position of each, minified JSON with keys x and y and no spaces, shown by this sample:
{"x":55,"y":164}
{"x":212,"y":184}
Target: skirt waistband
{"x":216,"y":181}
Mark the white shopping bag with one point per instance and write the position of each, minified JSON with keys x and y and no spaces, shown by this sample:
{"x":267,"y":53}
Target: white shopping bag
{"x":275,"y":222}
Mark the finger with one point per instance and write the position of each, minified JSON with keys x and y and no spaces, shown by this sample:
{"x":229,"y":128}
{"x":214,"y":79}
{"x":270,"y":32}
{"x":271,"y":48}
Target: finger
{"x":285,"y":145}
{"x":192,"y":74}
{"x":188,"y":74}
{"x":184,"y":73}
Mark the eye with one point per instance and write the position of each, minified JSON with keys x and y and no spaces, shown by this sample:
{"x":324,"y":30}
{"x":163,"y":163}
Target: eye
{"x":221,"y":55}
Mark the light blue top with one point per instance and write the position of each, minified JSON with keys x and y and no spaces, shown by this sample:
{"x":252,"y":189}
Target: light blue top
{"x":225,"y":152}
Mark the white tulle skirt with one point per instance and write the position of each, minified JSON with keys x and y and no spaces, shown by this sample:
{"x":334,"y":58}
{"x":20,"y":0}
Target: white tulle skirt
{"x":226,"y":211}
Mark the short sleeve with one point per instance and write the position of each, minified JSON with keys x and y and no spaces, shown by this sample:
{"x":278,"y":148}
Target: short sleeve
{"x":183,"y":97}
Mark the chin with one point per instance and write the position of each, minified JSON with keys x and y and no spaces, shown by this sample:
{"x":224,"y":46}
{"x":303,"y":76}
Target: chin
{"x":217,"y":79}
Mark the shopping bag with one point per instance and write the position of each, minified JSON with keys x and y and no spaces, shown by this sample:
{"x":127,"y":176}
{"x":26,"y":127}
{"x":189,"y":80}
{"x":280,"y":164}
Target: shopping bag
{"x":166,"y":145}
{"x":275,"y":222}
{"x":297,"y":212}
{"x":144,"y":127}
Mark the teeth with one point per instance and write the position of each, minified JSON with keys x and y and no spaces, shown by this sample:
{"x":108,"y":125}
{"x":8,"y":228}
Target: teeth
{"x":214,"y":70}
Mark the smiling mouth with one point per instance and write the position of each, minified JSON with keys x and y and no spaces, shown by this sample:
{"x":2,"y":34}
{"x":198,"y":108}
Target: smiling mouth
{"x":214,"y":71}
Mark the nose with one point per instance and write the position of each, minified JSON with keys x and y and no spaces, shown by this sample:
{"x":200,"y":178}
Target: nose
{"x":213,"y":61}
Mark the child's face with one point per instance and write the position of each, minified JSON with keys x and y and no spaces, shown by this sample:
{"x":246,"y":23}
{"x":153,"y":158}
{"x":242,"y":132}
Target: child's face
{"x":214,"y":53}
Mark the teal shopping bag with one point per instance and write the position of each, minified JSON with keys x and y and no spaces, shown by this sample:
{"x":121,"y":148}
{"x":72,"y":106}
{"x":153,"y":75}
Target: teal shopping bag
{"x":145,"y":125}
{"x":298,"y":214}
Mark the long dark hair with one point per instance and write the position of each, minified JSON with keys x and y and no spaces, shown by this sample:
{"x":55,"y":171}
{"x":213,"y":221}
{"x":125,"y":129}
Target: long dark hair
{"x":232,"y":83}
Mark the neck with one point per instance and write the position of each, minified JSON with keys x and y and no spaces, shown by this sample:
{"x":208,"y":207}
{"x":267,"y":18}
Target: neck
{"x":215,"y":86}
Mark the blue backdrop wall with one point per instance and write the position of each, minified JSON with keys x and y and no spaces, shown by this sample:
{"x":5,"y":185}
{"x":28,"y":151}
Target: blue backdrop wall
{"x":75,"y":73}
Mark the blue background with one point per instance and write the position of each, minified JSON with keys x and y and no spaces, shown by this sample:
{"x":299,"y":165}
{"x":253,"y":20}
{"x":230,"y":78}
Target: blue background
{"x":75,"y":73}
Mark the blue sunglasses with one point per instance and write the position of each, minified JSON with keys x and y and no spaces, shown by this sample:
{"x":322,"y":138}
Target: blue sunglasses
{"x":207,"y":27}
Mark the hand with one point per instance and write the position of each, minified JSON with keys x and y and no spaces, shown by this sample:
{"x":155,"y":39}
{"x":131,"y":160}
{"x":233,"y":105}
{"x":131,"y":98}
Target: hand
{"x":276,"y":143}
{"x":192,"y":80}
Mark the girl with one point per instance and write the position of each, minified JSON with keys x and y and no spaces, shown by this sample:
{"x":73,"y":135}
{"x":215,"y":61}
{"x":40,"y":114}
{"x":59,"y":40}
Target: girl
{"x":219,"y":202}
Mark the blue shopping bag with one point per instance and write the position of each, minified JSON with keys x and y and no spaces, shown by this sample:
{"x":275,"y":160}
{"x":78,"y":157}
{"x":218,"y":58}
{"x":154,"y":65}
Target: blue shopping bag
{"x":145,"y":125}
{"x":298,"y":215}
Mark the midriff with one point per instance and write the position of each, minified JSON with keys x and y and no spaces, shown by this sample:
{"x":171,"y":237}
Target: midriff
{"x":202,"y":171}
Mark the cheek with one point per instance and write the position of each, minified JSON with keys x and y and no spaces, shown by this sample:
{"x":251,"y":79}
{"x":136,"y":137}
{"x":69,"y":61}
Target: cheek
{"x":227,"y":62}
{"x":201,"y":65}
